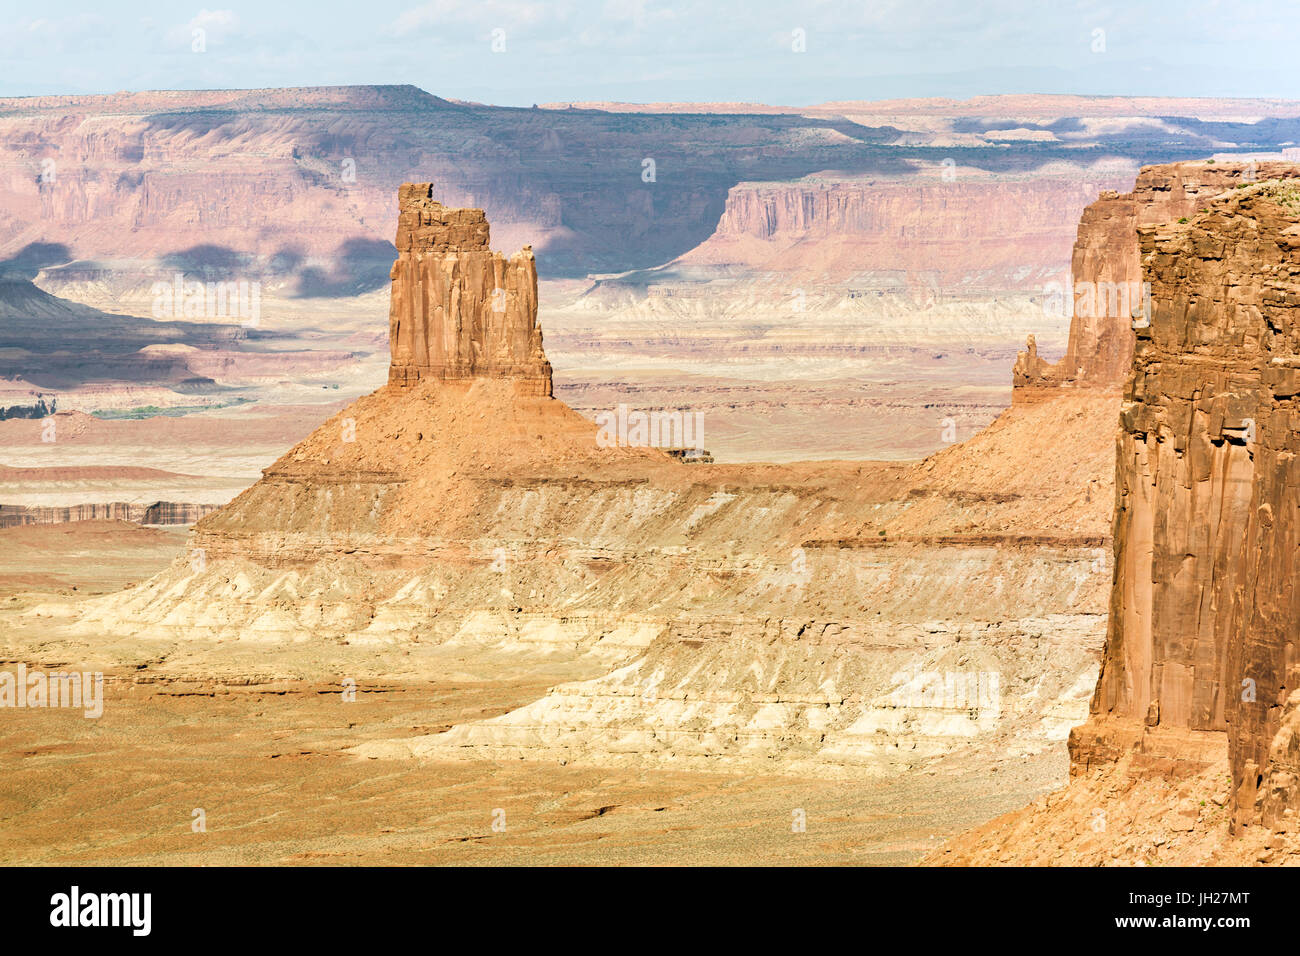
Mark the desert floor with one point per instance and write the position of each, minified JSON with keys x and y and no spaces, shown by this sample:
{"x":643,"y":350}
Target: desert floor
{"x":263,"y":752}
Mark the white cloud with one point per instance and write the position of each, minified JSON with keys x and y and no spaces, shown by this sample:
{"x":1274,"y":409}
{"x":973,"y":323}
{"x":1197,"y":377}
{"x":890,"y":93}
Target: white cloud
{"x":437,"y":14}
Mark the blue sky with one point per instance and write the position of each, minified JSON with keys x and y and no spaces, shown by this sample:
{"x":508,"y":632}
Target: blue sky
{"x":647,"y":51}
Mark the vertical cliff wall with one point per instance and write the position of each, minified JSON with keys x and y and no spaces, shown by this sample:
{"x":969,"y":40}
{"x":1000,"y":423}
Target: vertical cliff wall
{"x":972,"y":234}
{"x":459,"y":310}
{"x":1204,"y":610}
{"x":1105,"y":294}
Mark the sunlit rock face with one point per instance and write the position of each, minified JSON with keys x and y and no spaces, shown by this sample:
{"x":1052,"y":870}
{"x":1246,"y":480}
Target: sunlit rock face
{"x":459,"y":310}
{"x":1106,"y":297}
{"x":1204,"y":615}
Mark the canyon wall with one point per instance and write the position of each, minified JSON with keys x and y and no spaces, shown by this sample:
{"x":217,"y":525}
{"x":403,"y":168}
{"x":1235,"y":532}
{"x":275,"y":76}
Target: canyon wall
{"x":1204,"y":613}
{"x":160,"y":512}
{"x":954,"y":231}
{"x":458,"y":310}
{"x":301,"y":181}
{"x":1103,"y":295}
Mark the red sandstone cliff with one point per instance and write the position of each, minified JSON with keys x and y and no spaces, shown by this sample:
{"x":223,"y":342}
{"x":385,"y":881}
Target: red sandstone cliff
{"x":1200,"y":664}
{"x":1204,"y":614}
{"x":1106,"y":297}
{"x":459,"y":310}
{"x":975,"y":233}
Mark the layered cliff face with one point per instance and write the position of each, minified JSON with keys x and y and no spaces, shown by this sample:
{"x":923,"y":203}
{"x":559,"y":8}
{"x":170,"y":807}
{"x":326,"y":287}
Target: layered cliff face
{"x":158,"y":513}
{"x":300,"y":180}
{"x":956,"y":231}
{"x":1104,"y":295}
{"x":458,"y":310}
{"x":1204,"y":611}
{"x":1199,"y":669}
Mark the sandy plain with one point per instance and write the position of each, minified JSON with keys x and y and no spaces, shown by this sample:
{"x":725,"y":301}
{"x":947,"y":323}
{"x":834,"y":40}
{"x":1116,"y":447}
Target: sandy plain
{"x":260,"y":741}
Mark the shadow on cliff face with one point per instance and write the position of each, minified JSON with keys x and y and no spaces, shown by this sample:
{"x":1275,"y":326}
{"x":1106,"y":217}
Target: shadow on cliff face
{"x":57,"y":344}
{"x":1168,"y":139}
{"x":1270,"y":133}
{"x":360,"y":265}
{"x":206,"y":260}
{"x":979,"y":124}
{"x":574,"y":181}
{"x":581,"y":173}
{"x":636,"y":215}
{"x":32,"y":258}
{"x":357,"y":266}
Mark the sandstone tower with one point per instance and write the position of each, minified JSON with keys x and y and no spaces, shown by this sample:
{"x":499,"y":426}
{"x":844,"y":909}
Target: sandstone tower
{"x":1106,"y":273}
{"x":459,"y":310}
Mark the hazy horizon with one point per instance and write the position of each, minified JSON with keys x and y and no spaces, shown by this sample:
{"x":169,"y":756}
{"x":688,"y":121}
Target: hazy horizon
{"x":520,"y":52}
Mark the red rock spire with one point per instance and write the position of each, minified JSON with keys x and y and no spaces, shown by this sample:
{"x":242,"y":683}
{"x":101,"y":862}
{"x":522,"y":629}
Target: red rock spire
{"x":459,"y":310}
